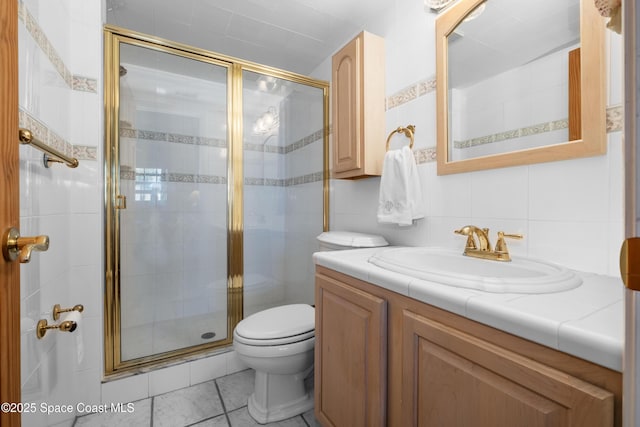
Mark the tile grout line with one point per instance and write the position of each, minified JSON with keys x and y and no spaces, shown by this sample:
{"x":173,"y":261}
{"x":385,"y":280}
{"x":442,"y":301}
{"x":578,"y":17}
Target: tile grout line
{"x":224,"y":407}
{"x":153,"y":399}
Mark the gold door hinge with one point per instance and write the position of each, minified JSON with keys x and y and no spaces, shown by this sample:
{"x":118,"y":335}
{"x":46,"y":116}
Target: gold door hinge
{"x":630,"y":263}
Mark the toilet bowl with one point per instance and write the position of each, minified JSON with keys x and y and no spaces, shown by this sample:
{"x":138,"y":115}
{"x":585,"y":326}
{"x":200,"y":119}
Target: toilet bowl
{"x":278,"y":343}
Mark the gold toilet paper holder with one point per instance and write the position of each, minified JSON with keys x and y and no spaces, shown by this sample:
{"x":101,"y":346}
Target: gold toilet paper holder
{"x":57,"y":310}
{"x":66,"y":326}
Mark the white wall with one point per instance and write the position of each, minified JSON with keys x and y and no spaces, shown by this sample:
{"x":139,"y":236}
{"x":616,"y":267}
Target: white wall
{"x":60,"y":51}
{"x":571,"y":212}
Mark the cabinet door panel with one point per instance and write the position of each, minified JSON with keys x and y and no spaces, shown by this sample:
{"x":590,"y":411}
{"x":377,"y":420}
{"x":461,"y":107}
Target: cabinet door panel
{"x":452,"y":378}
{"x":346,"y":116}
{"x":350,"y":366}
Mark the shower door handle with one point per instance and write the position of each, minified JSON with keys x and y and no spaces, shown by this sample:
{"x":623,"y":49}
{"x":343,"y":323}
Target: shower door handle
{"x":121,"y":201}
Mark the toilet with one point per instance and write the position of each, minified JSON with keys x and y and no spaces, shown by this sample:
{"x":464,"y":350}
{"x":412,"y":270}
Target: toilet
{"x":278,"y":343}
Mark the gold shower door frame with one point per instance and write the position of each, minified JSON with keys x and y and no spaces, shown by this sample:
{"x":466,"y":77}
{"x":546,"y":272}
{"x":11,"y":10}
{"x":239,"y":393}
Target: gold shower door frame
{"x":113,"y":37}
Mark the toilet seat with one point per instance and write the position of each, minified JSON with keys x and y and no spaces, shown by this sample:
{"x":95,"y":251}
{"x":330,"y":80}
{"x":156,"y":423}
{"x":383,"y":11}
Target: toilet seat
{"x":273,"y":341}
{"x":281,"y":325}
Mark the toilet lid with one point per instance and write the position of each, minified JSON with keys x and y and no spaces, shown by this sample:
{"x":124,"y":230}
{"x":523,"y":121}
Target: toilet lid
{"x":278,"y":322}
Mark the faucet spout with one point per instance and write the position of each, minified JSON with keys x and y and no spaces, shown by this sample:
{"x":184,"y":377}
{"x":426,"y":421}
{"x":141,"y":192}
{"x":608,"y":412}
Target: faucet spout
{"x":482,"y":235}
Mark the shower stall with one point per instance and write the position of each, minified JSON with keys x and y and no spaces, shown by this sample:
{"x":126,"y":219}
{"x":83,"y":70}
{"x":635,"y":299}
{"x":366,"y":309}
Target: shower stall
{"x":216,"y":184}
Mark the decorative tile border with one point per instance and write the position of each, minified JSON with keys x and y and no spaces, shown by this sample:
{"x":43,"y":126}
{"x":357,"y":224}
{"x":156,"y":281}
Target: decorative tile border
{"x":43,"y":133}
{"x":171,"y":137}
{"x":615,"y":118}
{"x":127,"y":132}
{"x":286,"y":182}
{"x":410,"y":93}
{"x":127,"y":173}
{"x":53,"y":140}
{"x":301,"y":143}
{"x":425,"y":155}
{"x":80,"y":83}
{"x":614,"y":124}
{"x":85,"y":84}
{"x":84,"y":152}
{"x":513,"y":134}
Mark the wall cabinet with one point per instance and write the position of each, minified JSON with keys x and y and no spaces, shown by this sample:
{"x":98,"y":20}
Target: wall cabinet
{"x":442,"y":369}
{"x":358,"y":103}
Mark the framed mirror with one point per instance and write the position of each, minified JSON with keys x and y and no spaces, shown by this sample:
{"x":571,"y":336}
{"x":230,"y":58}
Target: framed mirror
{"x":519,"y":82}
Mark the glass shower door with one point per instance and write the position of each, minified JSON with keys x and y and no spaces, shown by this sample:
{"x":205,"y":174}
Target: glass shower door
{"x":172,"y":202}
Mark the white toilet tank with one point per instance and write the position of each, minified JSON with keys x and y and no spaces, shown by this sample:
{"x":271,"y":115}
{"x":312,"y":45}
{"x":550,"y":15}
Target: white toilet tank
{"x":340,"y":240}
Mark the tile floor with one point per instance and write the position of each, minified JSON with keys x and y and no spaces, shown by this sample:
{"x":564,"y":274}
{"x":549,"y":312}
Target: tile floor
{"x":215,"y":403}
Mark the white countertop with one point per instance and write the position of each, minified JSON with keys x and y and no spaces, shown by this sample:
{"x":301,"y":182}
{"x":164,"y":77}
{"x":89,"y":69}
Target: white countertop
{"x":587,"y":321}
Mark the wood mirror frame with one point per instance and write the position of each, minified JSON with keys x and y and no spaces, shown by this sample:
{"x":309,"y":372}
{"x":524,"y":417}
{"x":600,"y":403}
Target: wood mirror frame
{"x":592,"y":97}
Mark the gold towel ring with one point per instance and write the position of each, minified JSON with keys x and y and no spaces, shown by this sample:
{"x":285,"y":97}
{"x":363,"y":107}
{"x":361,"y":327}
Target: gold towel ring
{"x":408,"y":132}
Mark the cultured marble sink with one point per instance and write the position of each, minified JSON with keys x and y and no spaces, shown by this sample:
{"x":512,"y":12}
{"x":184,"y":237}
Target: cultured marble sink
{"x":452,"y":268}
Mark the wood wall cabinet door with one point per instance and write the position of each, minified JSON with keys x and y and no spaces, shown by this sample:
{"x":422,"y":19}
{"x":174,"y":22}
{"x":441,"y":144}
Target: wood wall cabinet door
{"x":350,"y":356}
{"x":358,"y":102}
{"x":451,"y":378}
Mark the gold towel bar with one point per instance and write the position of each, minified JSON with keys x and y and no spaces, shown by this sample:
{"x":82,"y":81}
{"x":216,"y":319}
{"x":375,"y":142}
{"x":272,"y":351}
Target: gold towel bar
{"x":408,"y":132}
{"x":51,"y":155}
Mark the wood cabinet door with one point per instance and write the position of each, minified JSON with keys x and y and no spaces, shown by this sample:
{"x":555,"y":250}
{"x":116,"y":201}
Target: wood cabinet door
{"x":451,"y":379}
{"x":346,"y":66}
{"x":350,"y":356}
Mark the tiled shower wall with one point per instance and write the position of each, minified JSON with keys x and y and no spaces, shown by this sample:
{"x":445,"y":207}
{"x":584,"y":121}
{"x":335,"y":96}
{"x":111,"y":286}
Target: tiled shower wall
{"x":60,"y":50}
{"x":570,"y":212}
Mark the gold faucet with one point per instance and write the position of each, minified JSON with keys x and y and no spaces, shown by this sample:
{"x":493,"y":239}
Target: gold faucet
{"x":483,"y":248}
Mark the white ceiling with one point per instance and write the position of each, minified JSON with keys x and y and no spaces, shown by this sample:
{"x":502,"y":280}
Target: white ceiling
{"x":294,"y":35}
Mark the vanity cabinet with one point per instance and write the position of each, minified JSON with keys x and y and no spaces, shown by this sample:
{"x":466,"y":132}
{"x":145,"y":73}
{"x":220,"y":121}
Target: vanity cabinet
{"x":351,"y":364}
{"x":442,"y":369}
{"x":358,"y":103}
{"x":456,"y":379}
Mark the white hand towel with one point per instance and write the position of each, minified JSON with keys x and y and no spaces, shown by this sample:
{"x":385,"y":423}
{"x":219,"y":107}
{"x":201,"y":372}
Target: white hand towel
{"x":400,"y":200}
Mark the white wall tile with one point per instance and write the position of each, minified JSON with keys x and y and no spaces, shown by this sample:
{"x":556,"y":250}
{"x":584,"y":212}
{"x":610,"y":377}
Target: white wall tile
{"x":577,"y":245}
{"x":574,"y":190}
{"x":500,"y":193}
{"x":615,"y":68}
{"x":168,"y":379}
{"x":86,"y":238}
{"x":208,"y":368}
{"x":126,"y":390}
{"x":88,"y":389}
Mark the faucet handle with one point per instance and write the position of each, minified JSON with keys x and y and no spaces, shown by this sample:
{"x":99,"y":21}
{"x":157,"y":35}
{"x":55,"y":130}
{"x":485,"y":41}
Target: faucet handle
{"x":501,"y":245}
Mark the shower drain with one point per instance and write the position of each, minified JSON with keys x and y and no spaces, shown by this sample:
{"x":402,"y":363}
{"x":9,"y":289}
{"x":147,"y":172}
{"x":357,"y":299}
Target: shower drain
{"x":208,"y":335}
